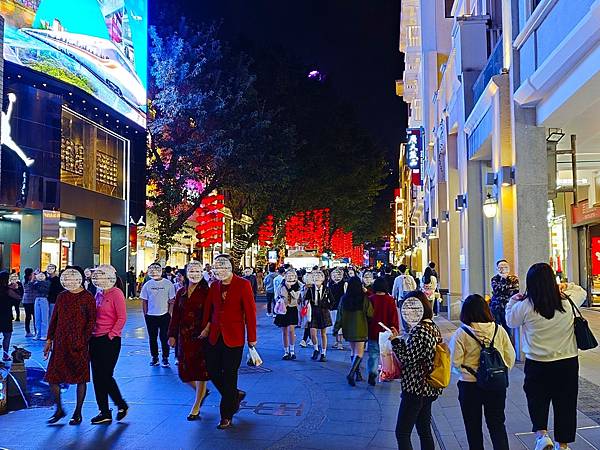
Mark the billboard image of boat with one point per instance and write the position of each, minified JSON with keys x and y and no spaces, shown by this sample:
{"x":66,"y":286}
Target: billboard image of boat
{"x":100,"y":46}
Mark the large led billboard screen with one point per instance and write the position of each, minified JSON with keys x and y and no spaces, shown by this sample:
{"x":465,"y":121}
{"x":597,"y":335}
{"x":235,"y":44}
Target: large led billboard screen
{"x":100,"y":46}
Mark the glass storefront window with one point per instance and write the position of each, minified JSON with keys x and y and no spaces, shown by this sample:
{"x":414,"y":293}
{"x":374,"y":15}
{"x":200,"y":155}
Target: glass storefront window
{"x":92,"y":157}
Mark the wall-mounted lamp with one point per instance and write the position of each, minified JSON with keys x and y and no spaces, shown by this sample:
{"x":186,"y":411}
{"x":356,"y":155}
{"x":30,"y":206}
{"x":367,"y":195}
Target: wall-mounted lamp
{"x":555,"y":135}
{"x":445,"y":216}
{"x":434,"y":223}
{"x":460,"y":202}
{"x":490,"y":207}
{"x":506,"y":176}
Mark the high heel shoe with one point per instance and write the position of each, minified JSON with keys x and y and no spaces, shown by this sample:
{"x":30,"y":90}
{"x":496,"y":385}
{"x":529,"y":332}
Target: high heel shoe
{"x":57,"y":416}
{"x":75,"y":420}
{"x":191,"y":417}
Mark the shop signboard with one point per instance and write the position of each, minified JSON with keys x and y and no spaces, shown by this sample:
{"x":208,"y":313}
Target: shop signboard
{"x":414,"y":147}
{"x":98,"y":46}
{"x":584,"y":214}
{"x":595,"y":256}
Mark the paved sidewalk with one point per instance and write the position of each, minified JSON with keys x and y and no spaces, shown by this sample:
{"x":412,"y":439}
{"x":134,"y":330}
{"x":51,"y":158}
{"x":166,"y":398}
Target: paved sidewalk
{"x":290,"y":404}
{"x":448,"y":423}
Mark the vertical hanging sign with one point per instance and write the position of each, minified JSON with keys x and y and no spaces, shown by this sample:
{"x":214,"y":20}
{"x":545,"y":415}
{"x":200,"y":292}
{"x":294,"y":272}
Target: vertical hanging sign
{"x":414,"y":153}
{"x":595,"y":255}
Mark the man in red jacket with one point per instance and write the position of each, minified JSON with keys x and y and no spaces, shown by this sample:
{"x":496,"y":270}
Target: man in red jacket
{"x":231,"y":308}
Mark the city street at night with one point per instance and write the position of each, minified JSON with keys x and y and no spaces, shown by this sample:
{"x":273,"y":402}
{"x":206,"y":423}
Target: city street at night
{"x":321,"y":224}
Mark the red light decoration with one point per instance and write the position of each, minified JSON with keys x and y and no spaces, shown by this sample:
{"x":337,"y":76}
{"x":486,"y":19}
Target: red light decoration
{"x":308,"y":229}
{"x":341,"y":243}
{"x":266,"y":232}
{"x":211,"y":219}
{"x":358,"y":252}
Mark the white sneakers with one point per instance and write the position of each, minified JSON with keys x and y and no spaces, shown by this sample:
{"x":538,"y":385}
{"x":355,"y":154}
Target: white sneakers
{"x":544,"y":443}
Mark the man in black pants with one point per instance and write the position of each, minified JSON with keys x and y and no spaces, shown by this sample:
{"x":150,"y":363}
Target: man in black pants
{"x":158,"y":295}
{"x":230,"y":314}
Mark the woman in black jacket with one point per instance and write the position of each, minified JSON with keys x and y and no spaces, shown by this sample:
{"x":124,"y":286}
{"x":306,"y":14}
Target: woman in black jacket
{"x":6,"y":317}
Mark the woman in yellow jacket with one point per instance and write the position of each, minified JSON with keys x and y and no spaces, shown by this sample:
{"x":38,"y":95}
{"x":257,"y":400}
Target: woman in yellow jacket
{"x":480,"y":328}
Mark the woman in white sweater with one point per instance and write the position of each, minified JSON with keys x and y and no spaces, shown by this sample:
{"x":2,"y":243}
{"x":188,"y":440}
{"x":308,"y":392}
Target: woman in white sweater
{"x":551,"y":366}
{"x":479,"y":328}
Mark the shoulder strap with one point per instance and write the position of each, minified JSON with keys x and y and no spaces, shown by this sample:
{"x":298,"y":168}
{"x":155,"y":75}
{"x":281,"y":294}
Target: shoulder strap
{"x":575,"y":309}
{"x":470,"y":333}
{"x":494,"y":336}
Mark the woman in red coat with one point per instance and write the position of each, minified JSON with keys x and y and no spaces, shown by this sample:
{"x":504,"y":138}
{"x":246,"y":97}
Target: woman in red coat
{"x":184,"y":331}
{"x":69,"y":335}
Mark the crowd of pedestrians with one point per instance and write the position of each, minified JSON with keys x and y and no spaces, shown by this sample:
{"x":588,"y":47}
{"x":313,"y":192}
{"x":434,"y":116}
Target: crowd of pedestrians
{"x":208,"y":315}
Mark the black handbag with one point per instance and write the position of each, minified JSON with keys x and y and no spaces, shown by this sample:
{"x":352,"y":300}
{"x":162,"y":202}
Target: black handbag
{"x":583,"y":335}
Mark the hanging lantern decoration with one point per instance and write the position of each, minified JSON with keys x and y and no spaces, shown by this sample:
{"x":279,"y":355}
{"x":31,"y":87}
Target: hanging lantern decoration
{"x":211,"y":221}
{"x":266,"y":232}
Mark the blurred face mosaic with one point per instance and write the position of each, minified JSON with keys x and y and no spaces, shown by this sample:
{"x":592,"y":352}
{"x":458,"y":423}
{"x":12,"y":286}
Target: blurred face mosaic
{"x":222,"y":268}
{"x":71,"y":279}
{"x":104,"y":277}
{"x":155,"y":271}
{"x":194,"y":271}
{"x":337,"y":275}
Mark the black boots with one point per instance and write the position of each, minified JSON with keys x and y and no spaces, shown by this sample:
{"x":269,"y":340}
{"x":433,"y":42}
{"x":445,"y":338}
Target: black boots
{"x":353,"y":368}
{"x":359,"y":376}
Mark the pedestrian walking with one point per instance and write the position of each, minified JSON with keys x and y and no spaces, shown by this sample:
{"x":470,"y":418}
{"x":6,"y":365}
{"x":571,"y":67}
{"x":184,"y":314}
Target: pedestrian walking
{"x":249,"y":275}
{"x":416,"y":353}
{"x":504,"y":286}
{"x":480,"y":330}
{"x":158,"y":295}
{"x":140,"y":280}
{"x":87,"y":281}
{"x":260,"y":280}
{"x":429,"y":286}
{"x":6,"y":315}
{"x":230,"y":316}
{"x":354,"y":312}
{"x":28,"y":302}
{"x":105,"y":343}
{"x":184,"y":333}
{"x":385,"y":312}
{"x":320,"y":301}
{"x":403,"y":284}
{"x":69,"y":335}
{"x":368,"y":279}
{"x":309,"y":282}
{"x":41,"y":287}
{"x":131,"y":283}
{"x":15,"y":292}
{"x":54,"y":288}
{"x":337,"y":287}
{"x":289,"y":294}
{"x":545,"y":316}
{"x":270,"y":288}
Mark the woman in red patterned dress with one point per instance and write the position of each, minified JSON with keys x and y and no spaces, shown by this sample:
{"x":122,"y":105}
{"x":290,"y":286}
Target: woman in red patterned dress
{"x":184,"y":331}
{"x":69,"y":334}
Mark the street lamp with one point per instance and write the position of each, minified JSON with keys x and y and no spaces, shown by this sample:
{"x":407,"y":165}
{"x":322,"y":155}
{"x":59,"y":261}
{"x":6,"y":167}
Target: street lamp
{"x":490,"y":207}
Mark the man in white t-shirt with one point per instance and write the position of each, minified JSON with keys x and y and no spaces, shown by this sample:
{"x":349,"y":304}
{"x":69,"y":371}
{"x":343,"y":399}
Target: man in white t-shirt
{"x":158,"y":294}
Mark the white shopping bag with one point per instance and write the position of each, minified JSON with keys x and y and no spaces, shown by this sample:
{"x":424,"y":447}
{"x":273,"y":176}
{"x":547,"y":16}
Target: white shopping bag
{"x":254,"y":358}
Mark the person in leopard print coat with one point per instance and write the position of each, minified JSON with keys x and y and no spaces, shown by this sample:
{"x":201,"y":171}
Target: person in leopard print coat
{"x":415,"y":353}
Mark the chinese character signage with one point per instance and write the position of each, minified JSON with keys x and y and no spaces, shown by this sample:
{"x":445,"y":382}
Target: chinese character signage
{"x":595,"y":256}
{"x":413,"y":147}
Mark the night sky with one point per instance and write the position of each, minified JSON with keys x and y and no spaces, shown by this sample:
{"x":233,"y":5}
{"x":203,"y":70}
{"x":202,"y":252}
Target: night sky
{"x":355,"y":42}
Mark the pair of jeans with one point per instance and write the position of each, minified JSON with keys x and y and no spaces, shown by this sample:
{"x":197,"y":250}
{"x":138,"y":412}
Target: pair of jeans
{"x":223,"y":363}
{"x":415,"y":410}
{"x":6,"y":335}
{"x":50,"y":310}
{"x":555,"y":382}
{"x":104,"y":354}
{"x":29,"y":314}
{"x":373,"y":358}
{"x":473,"y":400}
{"x":41,"y":316}
{"x":158,"y":326}
{"x":270,"y":300}
{"x":499,"y":312}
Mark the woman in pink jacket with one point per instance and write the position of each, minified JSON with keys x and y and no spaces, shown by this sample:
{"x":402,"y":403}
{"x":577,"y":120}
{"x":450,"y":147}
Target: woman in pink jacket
{"x":105,"y":344}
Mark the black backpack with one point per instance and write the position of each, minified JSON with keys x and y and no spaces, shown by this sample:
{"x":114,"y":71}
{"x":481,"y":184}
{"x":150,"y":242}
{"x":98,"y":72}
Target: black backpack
{"x":492,"y":373}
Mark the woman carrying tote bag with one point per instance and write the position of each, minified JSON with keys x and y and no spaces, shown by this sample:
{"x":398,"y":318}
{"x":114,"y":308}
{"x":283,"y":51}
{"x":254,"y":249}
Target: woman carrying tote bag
{"x":551,"y":366}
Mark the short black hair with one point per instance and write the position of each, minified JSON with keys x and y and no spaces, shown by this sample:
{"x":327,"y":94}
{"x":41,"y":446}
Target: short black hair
{"x":432,"y":265}
{"x":402,"y":268}
{"x":501,"y":260}
{"x":272,"y":267}
{"x":281,"y":270}
{"x":475,"y":310}
{"x":380,"y":285}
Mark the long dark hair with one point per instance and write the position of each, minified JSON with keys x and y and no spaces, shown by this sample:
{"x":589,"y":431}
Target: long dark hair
{"x":28,"y":274}
{"x":354,"y":297}
{"x":4,"y":276}
{"x":542,"y":290}
{"x":427,"y":275}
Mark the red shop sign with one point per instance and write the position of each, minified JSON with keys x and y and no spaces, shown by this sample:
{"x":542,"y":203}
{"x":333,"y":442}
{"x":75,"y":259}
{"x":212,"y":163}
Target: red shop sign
{"x":595,"y":255}
{"x":583,"y":214}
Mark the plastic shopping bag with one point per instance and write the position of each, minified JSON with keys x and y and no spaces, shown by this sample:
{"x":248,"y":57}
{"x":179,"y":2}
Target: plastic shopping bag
{"x":280,"y":308}
{"x":390,"y":366}
{"x":254,"y":358}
